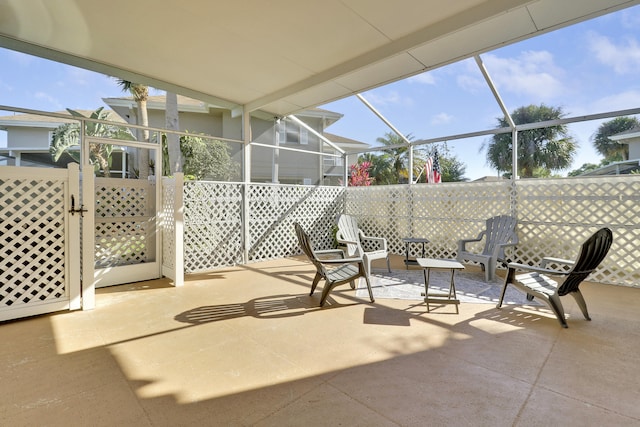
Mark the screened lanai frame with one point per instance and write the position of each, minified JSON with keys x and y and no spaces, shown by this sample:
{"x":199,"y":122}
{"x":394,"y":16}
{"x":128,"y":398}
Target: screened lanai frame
{"x":514,"y":128}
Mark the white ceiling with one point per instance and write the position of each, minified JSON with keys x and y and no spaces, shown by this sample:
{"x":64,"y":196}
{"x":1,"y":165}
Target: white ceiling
{"x":279,"y":56}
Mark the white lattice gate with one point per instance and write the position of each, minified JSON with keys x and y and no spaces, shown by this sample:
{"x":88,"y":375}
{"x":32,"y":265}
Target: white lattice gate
{"x":127,"y":240}
{"x":39,"y":241}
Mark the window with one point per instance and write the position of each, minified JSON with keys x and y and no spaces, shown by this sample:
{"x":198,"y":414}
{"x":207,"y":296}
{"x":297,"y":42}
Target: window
{"x":332,"y":161}
{"x":290,"y":133}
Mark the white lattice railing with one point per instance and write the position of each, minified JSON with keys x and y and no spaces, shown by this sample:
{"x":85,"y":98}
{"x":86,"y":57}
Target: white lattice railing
{"x":273,"y":210}
{"x":212,"y":225}
{"x":554,"y":217}
{"x":168,"y":223}
{"x":213,"y":221}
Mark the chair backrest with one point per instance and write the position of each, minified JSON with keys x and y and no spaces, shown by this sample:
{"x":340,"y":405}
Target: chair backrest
{"x":348,"y":230}
{"x":592,"y":252}
{"x":500,"y":229}
{"x":305,"y":245}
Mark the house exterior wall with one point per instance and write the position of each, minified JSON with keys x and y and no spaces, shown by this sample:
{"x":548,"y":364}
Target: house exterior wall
{"x":634,"y":149}
{"x":27,"y":137}
{"x":291,"y":167}
{"x":209,"y":124}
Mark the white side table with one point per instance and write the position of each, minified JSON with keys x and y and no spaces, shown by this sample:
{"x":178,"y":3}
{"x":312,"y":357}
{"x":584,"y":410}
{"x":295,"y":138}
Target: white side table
{"x":443,"y":298}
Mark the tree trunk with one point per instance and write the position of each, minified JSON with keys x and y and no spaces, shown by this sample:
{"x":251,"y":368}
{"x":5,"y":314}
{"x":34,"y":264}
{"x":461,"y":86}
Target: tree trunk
{"x":143,"y":135}
{"x":95,"y":149}
{"x":173,"y":140}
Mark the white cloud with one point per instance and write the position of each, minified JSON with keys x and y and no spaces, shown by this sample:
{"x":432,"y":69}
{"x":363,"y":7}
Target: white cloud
{"x":532,"y":73}
{"x":80,"y":77}
{"x":618,"y":101}
{"x":629,"y":19}
{"x":441,"y":118}
{"x":470,"y":83}
{"x":624,"y":57}
{"x":388,"y":98}
{"x":424,"y":78}
{"x":48,"y":98}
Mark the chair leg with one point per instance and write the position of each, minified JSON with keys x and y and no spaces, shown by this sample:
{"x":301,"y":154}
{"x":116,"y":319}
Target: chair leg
{"x":577,"y":295}
{"x":388,"y":264}
{"x":325,"y":292}
{"x":367,"y":266}
{"x":487,"y":272}
{"x":556,"y":306}
{"x":366,"y":278}
{"x":315,"y":283}
{"x":508,"y":278}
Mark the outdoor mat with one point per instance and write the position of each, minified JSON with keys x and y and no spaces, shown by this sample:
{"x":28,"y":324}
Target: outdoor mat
{"x":409,"y":284}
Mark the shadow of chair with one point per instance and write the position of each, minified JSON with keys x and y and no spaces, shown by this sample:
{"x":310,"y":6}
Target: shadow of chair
{"x":335,"y":270}
{"x":349,"y":234}
{"x":537,"y":284}
{"x":499,"y":233}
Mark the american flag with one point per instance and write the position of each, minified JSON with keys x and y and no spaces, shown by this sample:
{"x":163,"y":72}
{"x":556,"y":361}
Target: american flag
{"x":432,"y":169}
{"x":437,"y":173}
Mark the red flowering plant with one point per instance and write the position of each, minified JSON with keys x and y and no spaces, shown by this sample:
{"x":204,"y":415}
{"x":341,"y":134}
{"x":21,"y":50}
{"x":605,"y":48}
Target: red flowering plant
{"x":359,"y":176}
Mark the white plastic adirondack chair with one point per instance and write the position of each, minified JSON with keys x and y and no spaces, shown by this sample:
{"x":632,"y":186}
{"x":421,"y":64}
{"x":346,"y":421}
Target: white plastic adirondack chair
{"x":350,"y":235}
{"x":500,"y":233}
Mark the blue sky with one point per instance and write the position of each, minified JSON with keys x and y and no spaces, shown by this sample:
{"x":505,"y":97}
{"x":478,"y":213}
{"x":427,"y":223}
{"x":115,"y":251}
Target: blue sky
{"x":587,"y":68}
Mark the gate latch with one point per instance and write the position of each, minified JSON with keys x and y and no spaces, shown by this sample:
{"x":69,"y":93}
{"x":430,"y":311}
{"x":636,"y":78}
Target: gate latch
{"x":73,"y":209}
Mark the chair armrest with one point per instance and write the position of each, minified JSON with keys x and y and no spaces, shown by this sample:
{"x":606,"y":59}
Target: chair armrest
{"x":462,"y":244}
{"x":516,"y":266}
{"x":341,"y":261}
{"x":346,"y":242}
{"x":501,"y":246}
{"x":551,"y":260}
{"x":330,"y":252}
{"x":380,"y":240}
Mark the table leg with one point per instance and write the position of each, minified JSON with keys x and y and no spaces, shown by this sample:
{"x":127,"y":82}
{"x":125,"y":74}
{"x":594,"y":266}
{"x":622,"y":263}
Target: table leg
{"x":452,"y":289}
{"x":406,"y":262}
{"x":443,"y":298}
{"x":426,"y":273}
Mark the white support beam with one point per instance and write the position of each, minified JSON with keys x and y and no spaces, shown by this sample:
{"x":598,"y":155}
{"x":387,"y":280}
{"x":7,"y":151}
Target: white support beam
{"x":496,"y":95}
{"x":381,"y":117}
{"x":394,"y":129}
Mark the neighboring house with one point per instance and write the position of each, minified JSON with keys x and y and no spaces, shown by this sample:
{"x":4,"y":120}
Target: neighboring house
{"x":29,"y":137}
{"x":267,"y":164}
{"x":631,"y":137}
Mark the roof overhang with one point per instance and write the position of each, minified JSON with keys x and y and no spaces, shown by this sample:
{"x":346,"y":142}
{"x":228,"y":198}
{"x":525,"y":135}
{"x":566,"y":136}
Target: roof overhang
{"x":617,"y":168}
{"x":279,"y":57}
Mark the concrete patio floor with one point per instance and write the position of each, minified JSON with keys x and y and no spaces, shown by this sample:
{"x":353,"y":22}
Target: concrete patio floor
{"x":247,"y":346}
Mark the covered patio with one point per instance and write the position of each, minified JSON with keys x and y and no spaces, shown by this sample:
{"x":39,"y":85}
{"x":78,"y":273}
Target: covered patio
{"x":246,"y":345}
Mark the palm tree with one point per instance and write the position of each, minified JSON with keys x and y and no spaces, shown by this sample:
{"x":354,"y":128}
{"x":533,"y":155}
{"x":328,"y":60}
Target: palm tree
{"x":397,"y":158}
{"x":550,"y":148}
{"x":612,"y":150}
{"x":68,"y":135}
{"x":140,"y":94}
{"x":380,"y":169}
